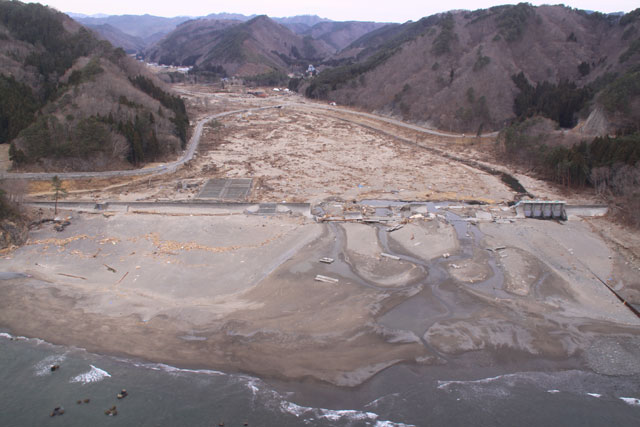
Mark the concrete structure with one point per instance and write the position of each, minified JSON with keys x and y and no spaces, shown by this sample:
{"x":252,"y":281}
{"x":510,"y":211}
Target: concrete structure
{"x":586,"y":210}
{"x":226,"y":189}
{"x":552,"y":209}
{"x":180,"y":208}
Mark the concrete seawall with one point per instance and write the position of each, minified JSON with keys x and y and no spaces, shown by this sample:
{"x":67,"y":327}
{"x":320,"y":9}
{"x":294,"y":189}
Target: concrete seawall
{"x":586,"y":210}
{"x":178,"y":208}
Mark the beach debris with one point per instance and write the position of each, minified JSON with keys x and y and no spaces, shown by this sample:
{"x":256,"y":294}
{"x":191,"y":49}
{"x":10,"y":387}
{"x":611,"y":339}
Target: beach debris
{"x":483,"y":215}
{"x":112,"y":412}
{"x":58,"y":223}
{"x":58,"y":410}
{"x":123,"y":393}
{"x":111,"y":269}
{"x":394,"y":228}
{"x":455,"y":266}
{"x":326,"y":260}
{"x":386,"y":255}
{"x":71,"y":275}
{"x":60,"y":226}
{"x":446,"y":255}
{"x":503,"y":221}
{"x":416,"y":216}
{"x":499,"y":248}
{"x":87,"y":400}
{"x":55,"y":368}
{"x":326,"y":279}
{"x":96,"y":254}
{"x":40,"y":222}
{"x":122,"y":278}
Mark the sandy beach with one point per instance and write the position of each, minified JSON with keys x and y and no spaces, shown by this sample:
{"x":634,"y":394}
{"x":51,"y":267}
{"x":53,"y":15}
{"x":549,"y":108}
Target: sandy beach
{"x":238,"y":292}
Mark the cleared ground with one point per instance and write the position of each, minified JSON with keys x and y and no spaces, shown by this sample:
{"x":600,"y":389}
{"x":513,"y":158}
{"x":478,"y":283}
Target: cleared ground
{"x":303,"y":153}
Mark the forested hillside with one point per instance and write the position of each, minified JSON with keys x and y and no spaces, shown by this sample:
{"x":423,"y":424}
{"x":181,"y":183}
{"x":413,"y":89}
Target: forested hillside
{"x":69,"y":101}
{"x":468,"y":71}
{"x":562,"y":85}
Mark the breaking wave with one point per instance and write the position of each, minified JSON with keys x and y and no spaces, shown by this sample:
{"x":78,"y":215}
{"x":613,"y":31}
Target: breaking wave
{"x":93,"y":376}
{"x":171,"y":369}
{"x":630,"y":401}
{"x":43,"y":367}
{"x":309,"y":414}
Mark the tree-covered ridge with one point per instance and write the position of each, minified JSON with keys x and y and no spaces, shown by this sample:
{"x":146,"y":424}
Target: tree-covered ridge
{"x":172,"y":102}
{"x":55,"y":48}
{"x":83,"y":98}
{"x":17,"y":107}
{"x":512,"y":20}
{"x":559,"y":102}
{"x":332,"y":78}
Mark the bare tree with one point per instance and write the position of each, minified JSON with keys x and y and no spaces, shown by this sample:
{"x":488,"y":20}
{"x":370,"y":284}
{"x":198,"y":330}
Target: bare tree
{"x":14,"y":190}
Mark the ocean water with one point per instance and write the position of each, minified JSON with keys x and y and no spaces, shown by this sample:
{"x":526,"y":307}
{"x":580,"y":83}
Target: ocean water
{"x":161,"y":395}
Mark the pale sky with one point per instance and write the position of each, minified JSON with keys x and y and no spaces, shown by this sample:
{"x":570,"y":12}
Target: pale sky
{"x":339,"y":10}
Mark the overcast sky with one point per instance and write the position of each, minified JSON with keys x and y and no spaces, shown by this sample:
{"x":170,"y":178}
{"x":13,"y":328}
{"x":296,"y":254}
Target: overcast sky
{"x":339,"y":10}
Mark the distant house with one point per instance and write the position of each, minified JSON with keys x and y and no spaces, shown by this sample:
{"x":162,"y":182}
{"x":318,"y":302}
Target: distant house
{"x":311,"y":70}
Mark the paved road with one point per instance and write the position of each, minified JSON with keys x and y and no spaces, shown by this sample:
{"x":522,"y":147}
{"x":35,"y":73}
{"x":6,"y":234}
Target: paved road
{"x":195,"y":140}
{"x":389,"y":120}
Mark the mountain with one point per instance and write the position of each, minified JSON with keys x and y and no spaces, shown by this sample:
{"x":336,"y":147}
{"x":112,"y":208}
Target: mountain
{"x":300,"y":23}
{"x":224,"y":16}
{"x":339,"y":35}
{"x":69,"y":101}
{"x":470,"y":70}
{"x":249,"y":48}
{"x":149,"y":28}
{"x":82,"y":15}
{"x":308,"y":20}
{"x":130,"y":44}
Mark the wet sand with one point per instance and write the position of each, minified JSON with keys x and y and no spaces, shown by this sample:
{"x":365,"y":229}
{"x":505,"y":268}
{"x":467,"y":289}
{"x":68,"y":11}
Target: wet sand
{"x":237,"y":293}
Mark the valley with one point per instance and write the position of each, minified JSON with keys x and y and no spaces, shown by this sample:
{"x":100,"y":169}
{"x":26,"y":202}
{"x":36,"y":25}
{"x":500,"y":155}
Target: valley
{"x":286,"y":221}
